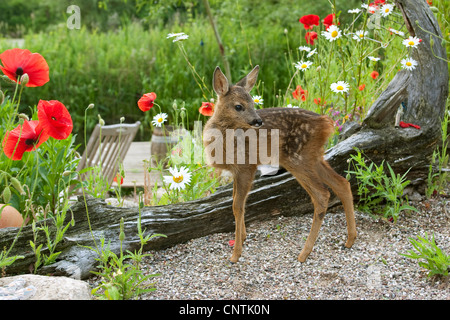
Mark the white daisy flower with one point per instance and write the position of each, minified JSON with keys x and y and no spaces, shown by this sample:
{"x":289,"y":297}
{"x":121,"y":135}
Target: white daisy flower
{"x":386,"y":9}
{"x":171,"y":35}
{"x":373,"y":58}
{"x":303,"y":65}
{"x":400,"y":33}
{"x":340,"y":87}
{"x":304,"y":48}
{"x":364,"y":5}
{"x":332,"y":33}
{"x":411,"y":42}
{"x":159,"y":119}
{"x":180,"y":38}
{"x":312,"y":53}
{"x":258,"y":100}
{"x":179,"y":178}
{"x":291,"y":106}
{"x":409,"y":64}
{"x":360,"y":34}
{"x":357,"y":10}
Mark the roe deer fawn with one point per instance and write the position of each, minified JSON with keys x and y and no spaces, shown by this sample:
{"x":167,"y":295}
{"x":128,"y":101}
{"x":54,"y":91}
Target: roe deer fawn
{"x":302,"y":136}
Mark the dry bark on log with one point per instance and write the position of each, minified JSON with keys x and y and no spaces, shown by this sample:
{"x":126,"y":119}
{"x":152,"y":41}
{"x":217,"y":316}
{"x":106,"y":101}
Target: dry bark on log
{"x":424,"y":92}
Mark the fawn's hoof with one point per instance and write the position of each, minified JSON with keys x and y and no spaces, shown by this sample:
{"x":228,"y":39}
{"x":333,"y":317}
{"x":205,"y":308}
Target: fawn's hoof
{"x":350,"y":242}
{"x":302,"y":257}
{"x":234,"y":259}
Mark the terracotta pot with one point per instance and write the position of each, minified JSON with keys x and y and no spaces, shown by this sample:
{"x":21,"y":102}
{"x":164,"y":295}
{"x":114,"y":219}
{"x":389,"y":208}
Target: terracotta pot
{"x":10,"y":217}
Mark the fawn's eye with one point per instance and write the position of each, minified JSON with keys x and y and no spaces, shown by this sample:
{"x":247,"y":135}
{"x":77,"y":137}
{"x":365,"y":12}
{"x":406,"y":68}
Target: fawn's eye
{"x":238,"y":107}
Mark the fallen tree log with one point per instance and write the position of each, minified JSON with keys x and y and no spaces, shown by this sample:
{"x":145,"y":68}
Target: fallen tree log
{"x":423,"y":92}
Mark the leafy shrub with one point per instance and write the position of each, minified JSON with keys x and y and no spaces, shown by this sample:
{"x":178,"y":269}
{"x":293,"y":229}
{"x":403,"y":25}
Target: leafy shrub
{"x":429,"y":256}
{"x":379,"y":193}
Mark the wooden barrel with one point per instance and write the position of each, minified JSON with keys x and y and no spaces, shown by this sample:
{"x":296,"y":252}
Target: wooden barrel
{"x":161,"y":143}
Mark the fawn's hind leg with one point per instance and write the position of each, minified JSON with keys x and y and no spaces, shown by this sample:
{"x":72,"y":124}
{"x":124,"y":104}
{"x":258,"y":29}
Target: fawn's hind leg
{"x":319,"y":197}
{"x":341,"y":187}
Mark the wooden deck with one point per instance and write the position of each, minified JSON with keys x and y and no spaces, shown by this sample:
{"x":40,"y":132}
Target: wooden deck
{"x":133,"y":164}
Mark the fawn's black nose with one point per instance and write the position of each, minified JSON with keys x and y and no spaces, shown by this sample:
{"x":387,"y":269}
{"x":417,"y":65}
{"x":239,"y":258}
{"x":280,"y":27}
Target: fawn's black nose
{"x":256,"y":123}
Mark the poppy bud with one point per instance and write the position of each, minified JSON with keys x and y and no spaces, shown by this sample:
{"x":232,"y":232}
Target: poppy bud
{"x":122,"y":233}
{"x":101,"y":121}
{"x":90,"y":106}
{"x":6,"y":195}
{"x":434,"y":9}
{"x":122,"y":119}
{"x":24,"y":79}
{"x":23,"y":116}
{"x":66,"y":173}
{"x":17,"y":185}
{"x":8,"y":79}
{"x":2,"y":97}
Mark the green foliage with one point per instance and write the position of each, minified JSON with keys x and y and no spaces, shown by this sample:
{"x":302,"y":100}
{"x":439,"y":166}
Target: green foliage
{"x":53,"y":233}
{"x":19,"y":17}
{"x":429,"y":256}
{"x":380,"y":193}
{"x":121,"y":275}
{"x":438,"y":177}
{"x":5,"y":259}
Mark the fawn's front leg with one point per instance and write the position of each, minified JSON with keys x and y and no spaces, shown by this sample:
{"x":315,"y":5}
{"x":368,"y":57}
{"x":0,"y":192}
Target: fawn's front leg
{"x":242,"y":184}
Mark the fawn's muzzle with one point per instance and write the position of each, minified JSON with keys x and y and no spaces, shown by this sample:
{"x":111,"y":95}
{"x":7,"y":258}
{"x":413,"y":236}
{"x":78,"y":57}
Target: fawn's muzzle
{"x":256,"y":123}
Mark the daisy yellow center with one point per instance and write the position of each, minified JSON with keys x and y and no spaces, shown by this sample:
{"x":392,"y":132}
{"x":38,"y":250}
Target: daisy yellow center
{"x":339,"y":88}
{"x":409,"y":64}
{"x":160,"y":120}
{"x":386,"y":10}
{"x":178,"y":179}
{"x":334,"y":34}
{"x":304,"y":66}
{"x":256,"y":100}
{"x":361,"y":35}
{"x":411,"y":43}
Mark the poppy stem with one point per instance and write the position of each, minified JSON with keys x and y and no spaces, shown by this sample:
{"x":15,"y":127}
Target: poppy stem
{"x":12,"y":116}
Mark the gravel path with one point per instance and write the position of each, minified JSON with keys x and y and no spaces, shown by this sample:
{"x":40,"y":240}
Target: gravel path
{"x":268,"y":268}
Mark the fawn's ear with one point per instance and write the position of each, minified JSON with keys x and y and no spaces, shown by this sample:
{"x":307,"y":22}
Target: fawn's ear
{"x":248,"y":82}
{"x":220,"y":82}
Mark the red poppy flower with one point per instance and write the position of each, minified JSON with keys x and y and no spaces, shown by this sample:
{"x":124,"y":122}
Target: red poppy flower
{"x":361,"y":87}
{"x":16,"y":62}
{"x":310,"y":37}
{"x":54,"y":119}
{"x":207,"y":109}
{"x":300,"y":93}
{"x":116,"y":179}
{"x":374,"y":75}
{"x":318,"y":101}
{"x":329,"y":20}
{"x":145,"y":103}
{"x":309,"y":21}
{"x":23,"y":139}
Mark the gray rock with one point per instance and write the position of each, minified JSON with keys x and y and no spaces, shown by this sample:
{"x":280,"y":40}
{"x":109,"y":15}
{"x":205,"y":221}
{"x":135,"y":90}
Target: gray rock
{"x":36,"y":287}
